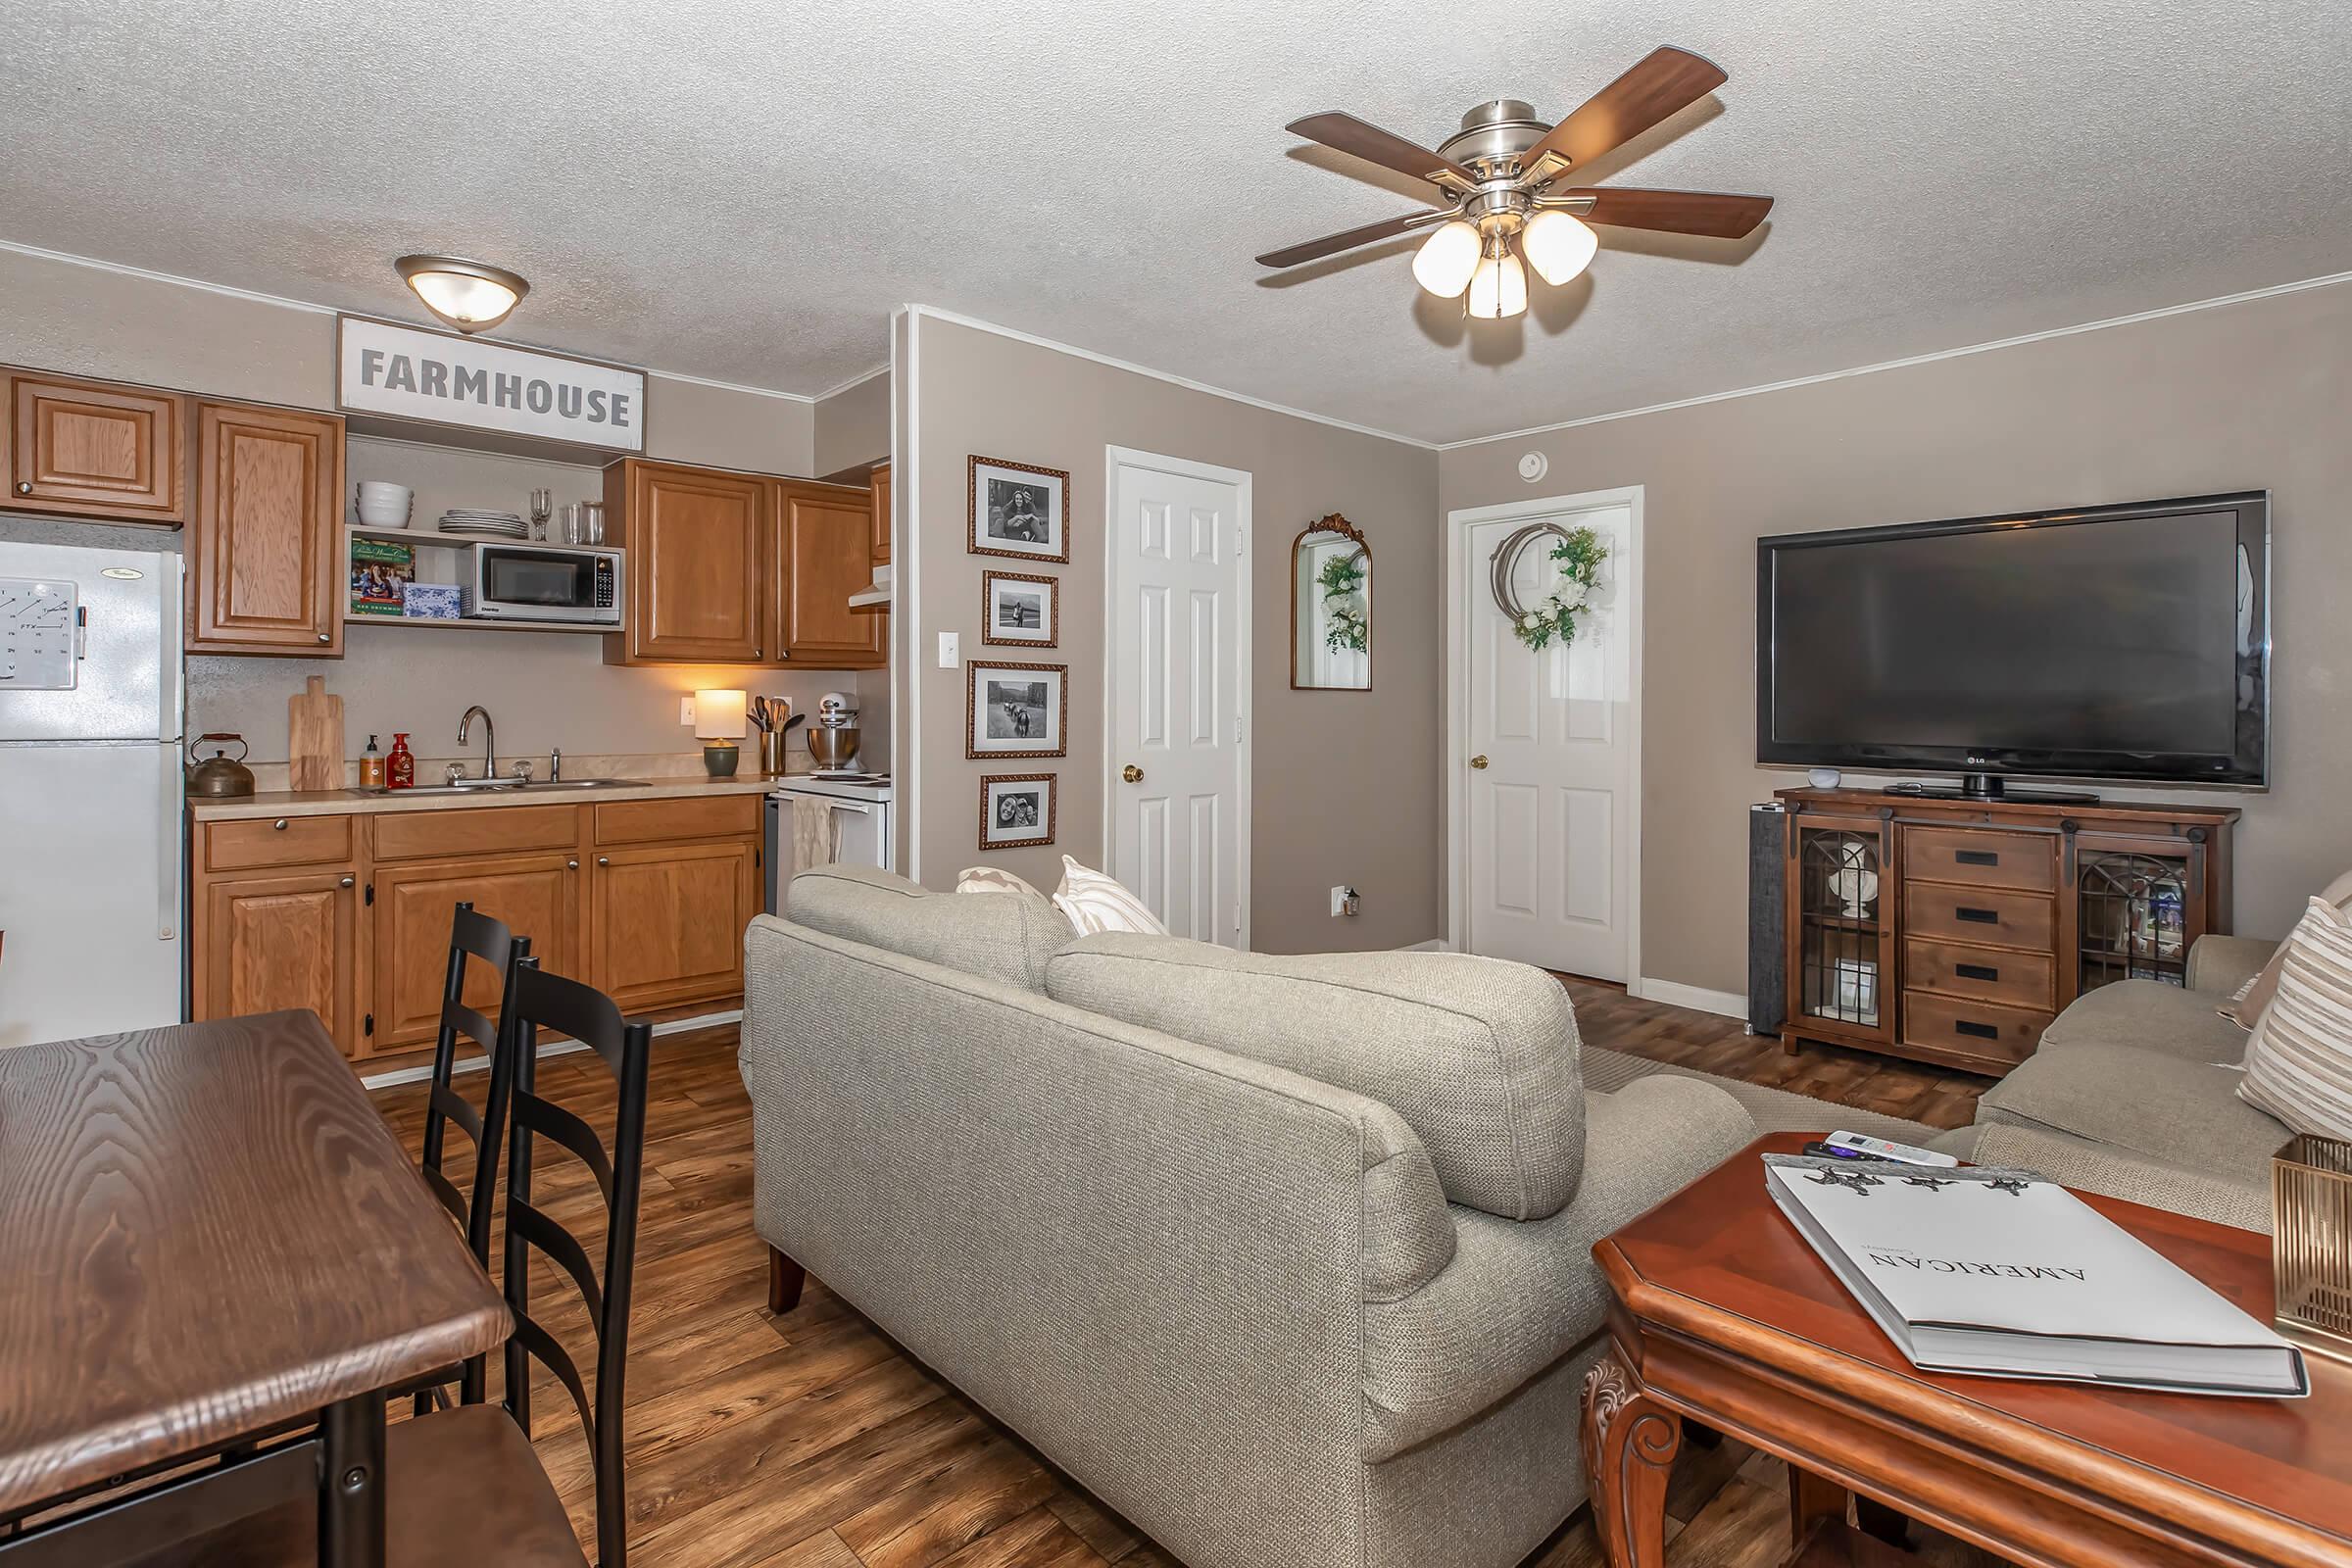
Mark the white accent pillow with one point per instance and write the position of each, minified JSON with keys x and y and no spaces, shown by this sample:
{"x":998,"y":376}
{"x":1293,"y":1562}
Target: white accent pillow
{"x":1097,"y":903}
{"x":993,"y":879}
{"x":2299,"y":1062}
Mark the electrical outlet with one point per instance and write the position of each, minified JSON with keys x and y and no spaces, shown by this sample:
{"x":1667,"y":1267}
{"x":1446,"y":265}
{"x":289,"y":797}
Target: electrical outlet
{"x":951,"y":650}
{"x":1344,"y":899}
{"x":685,"y":710}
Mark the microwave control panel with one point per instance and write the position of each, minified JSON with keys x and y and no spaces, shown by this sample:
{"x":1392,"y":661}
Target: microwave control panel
{"x":40,"y":635}
{"x":603,"y":582}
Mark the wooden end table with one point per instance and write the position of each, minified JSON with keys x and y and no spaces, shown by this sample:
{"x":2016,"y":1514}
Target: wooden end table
{"x":1724,"y":1315}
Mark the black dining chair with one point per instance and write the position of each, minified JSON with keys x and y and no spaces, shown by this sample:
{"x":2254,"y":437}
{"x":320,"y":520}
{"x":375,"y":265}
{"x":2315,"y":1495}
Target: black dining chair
{"x":472,"y":936}
{"x":549,"y":1001}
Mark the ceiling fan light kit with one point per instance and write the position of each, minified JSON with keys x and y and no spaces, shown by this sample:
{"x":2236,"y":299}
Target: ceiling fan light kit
{"x":1501,"y":174}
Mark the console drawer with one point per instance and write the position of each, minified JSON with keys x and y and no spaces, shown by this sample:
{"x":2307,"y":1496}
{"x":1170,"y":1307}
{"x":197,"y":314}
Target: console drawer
{"x":1998,"y":1035}
{"x":1977,"y":859}
{"x":708,"y":817}
{"x":1983,"y":974}
{"x":1979,"y":916}
{"x":483,"y":830}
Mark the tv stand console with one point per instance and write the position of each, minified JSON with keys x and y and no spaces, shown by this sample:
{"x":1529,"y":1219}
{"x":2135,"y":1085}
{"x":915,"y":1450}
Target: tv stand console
{"x":1952,"y":930}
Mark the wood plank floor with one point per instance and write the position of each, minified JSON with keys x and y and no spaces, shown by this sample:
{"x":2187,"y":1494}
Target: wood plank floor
{"x":808,"y":1441}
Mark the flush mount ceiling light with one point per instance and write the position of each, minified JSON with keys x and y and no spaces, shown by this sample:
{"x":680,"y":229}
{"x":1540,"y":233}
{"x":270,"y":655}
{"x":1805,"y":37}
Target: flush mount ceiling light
{"x":1498,"y":176}
{"x":469,"y":296}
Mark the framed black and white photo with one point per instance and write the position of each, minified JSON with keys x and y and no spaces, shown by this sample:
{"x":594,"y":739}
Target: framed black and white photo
{"x":1017,"y":810}
{"x":1017,"y":710}
{"x":1018,"y":610}
{"x":1018,"y":510}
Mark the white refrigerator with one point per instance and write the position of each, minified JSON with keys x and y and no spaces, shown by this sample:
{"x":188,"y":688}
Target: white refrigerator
{"x":91,"y":848}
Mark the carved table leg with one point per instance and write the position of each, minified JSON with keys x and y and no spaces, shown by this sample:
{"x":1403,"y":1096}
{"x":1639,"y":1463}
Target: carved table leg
{"x":1630,"y":1442}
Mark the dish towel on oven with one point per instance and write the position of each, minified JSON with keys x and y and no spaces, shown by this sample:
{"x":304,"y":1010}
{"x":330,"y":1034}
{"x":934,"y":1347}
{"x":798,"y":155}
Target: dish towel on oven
{"x":815,"y":834}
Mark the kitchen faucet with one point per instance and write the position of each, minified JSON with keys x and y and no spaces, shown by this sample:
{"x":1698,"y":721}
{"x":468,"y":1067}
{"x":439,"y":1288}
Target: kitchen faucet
{"x":489,"y":738}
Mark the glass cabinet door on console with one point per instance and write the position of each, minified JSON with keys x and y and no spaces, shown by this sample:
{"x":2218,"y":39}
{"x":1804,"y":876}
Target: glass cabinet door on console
{"x":1840,"y":929}
{"x":2138,"y":905}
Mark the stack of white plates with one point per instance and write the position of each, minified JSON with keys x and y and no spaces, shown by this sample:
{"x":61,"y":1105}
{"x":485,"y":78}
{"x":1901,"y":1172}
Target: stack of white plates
{"x":487,"y":525}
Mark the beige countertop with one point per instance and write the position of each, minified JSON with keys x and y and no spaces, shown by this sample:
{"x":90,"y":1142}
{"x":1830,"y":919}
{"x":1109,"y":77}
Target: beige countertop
{"x":346,"y":803}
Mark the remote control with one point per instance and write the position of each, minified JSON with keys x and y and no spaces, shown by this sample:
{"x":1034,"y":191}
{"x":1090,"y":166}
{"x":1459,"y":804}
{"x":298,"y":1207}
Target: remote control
{"x":1881,"y":1148}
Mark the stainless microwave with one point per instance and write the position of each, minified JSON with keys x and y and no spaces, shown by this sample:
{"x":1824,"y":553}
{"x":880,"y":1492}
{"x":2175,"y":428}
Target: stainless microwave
{"x":544,"y":582}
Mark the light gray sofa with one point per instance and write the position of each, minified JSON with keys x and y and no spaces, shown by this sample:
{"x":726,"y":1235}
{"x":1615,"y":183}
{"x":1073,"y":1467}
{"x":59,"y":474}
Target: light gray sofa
{"x":1286,"y":1259}
{"x":2133,"y":1092}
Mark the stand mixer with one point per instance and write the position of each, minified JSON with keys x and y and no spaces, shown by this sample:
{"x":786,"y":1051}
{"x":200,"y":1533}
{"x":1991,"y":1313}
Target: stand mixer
{"x":833,"y":738}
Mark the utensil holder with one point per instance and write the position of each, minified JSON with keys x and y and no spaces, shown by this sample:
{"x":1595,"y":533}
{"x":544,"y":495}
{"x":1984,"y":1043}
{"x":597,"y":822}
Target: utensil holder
{"x":771,"y":753}
{"x":2311,"y":1242}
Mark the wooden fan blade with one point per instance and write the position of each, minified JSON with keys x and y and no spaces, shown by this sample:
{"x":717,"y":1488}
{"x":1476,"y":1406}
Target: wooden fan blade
{"x":1676,"y":212}
{"x":1333,"y":244}
{"x":1669,"y":79}
{"x":1348,"y":134}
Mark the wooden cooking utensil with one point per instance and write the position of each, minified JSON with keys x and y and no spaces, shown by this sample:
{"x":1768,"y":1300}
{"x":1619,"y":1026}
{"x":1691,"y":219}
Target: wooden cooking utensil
{"x":315,"y":737}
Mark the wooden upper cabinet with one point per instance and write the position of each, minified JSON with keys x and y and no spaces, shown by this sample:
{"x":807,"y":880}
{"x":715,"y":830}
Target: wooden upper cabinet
{"x":826,"y":542}
{"x":696,"y":548}
{"x":266,"y":573}
{"x":97,"y":451}
{"x":882,"y":515}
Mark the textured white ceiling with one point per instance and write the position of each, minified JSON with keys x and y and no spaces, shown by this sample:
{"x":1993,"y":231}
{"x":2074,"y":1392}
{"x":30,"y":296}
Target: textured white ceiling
{"x":742,"y":190}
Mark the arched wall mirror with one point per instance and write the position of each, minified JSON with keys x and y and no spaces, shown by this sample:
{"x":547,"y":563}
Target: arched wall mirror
{"x":1331,"y":608}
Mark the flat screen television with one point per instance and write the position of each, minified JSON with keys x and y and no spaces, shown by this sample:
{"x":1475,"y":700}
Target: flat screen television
{"x":2126,"y":643}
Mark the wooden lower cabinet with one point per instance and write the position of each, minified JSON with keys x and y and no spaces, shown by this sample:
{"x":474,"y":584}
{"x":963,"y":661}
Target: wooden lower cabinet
{"x":645,"y":900}
{"x":535,"y":895}
{"x":669,"y":921}
{"x":266,"y":943}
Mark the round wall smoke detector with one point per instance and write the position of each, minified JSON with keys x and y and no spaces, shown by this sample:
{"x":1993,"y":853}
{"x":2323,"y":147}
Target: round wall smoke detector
{"x":1534,"y":466}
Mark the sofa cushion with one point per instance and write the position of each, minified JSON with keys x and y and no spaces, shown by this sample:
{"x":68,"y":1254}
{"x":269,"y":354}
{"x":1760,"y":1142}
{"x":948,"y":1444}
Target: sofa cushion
{"x":2148,"y":1016}
{"x":2299,"y":1064}
{"x":1006,"y":939}
{"x":2148,"y":1103}
{"x":2089,"y":1167}
{"x":1478,"y":1056}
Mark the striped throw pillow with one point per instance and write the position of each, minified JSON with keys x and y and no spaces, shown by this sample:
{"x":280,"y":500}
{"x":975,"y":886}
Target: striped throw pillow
{"x":991,"y":879}
{"x":2299,"y":1062}
{"x":1097,"y":903}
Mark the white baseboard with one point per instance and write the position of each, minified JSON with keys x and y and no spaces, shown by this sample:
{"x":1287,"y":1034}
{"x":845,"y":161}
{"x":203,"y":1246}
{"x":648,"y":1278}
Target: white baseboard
{"x":418,"y":1074}
{"x":1673,"y":993}
{"x":1433,"y":945}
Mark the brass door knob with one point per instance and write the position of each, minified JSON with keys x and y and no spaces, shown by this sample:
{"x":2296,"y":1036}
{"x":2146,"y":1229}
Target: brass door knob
{"x":1132,"y":774}
{"x":1479,"y":761}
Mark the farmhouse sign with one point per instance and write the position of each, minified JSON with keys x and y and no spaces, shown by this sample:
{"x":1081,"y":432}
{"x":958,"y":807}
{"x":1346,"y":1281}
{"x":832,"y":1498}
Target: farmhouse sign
{"x":437,"y":377}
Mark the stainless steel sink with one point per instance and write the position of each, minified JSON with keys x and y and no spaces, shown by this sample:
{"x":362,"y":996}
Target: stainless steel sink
{"x":504,"y":786}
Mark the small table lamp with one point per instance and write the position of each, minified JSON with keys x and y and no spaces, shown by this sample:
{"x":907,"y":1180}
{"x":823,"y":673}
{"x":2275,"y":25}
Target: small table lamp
{"x":720,"y":721}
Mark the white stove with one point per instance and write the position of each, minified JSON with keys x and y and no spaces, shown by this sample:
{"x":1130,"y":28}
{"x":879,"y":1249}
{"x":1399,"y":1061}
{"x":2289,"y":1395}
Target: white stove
{"x":858,"y":808}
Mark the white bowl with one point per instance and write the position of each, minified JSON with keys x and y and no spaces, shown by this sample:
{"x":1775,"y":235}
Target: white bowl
{"x":384,"y":486}
{"x":374,"y":516}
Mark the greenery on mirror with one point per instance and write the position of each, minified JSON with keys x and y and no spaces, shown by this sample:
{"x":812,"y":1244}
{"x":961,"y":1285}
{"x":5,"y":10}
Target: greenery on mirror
{"x":1348,"y":623}
{"x":1579,"y":554}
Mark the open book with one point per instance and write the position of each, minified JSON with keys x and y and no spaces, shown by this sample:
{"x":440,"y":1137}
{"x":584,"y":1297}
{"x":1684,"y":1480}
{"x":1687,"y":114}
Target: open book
{"x":2004,"y":1274}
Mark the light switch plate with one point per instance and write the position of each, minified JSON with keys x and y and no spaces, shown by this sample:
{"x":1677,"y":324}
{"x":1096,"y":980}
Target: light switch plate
{"x":951,"y":650}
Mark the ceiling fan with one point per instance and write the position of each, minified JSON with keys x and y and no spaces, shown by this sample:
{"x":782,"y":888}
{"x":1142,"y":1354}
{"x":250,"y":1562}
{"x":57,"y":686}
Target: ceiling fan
{"x":1502,"y":174}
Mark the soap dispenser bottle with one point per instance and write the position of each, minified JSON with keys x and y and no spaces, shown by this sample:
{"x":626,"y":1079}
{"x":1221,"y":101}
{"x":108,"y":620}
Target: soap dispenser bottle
{"x":401,"y":766}
{"x":372,"y":766}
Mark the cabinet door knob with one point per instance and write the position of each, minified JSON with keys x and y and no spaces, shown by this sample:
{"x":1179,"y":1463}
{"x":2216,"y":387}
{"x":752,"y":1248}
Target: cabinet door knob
{"x":349,"y":881}
{"x":1479,"y":761}
{"x":1132,"y":774}
{"x":25,"y":487}
{"x":326,"y":637}
{"x":756,"y":653}
{"x":604,"y":859}
{"x":571,"y":865}
{"x":279,"y":824}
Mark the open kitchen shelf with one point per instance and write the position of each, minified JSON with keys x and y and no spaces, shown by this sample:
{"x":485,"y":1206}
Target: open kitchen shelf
{"x":446,"y":571}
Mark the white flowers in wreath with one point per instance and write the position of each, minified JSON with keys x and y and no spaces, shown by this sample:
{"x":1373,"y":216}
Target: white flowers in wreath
{"x":1579,"y":554}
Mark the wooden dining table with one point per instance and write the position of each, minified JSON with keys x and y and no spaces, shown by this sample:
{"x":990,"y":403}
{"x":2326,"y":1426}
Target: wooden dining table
{"x":215,"y":1260}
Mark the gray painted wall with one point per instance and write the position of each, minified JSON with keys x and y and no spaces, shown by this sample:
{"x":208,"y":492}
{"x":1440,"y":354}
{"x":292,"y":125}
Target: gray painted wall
{"x":1343,"y":784}
{"x":2244,"y":396}
{"x":852,"y":427}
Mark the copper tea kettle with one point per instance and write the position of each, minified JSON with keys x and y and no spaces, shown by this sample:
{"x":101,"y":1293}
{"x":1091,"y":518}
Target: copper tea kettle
{"x":220,"y":776}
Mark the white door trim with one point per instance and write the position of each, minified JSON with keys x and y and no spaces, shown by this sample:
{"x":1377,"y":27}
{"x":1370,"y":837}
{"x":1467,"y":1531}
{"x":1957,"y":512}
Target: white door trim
{"x":906,"y":673}
{"x":1460,"y":572}
{"x":1114,"y":460}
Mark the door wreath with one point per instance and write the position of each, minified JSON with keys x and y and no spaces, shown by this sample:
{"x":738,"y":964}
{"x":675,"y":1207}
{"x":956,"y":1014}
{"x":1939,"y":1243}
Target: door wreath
{"x":1579,"y":553}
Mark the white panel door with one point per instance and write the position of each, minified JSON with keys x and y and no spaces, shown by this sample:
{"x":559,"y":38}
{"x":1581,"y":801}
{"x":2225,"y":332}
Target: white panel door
{"x":1551,"y":764}
{"x":1174,"y":700}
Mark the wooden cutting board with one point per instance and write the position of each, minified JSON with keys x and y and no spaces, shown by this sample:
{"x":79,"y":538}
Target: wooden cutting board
{"x":315,"y":737}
